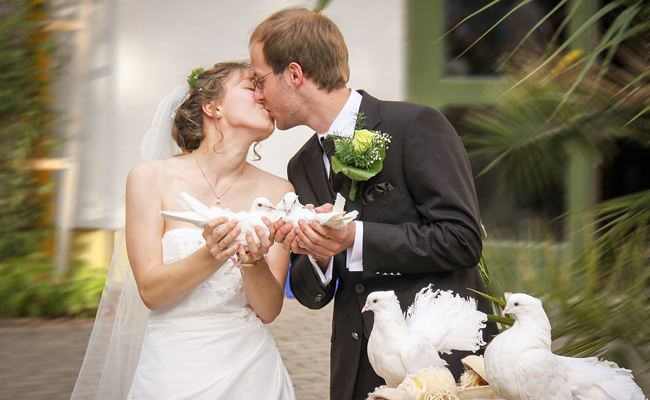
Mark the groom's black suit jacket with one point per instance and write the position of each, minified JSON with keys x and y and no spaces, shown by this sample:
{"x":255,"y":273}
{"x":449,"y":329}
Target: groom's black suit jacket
{"x":424,"y":230}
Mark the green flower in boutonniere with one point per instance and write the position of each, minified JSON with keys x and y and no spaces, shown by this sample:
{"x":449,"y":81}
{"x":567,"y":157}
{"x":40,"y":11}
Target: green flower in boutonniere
{"x":359,"y":157}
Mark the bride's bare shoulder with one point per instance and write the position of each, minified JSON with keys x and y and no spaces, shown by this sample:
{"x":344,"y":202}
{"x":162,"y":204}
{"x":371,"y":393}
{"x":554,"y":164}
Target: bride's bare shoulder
{"x":273,"y":186}
{"x":152,"y":172}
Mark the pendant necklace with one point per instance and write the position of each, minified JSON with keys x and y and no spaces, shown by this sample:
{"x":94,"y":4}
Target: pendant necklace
{"x":210,"y":185}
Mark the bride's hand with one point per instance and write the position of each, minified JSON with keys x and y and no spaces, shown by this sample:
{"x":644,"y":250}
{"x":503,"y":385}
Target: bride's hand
{"x":219,"y":235}
{"x":255,"y":252}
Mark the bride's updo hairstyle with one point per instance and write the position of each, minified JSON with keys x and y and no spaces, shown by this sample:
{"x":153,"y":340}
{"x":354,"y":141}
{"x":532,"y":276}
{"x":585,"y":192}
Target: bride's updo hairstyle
{"x":205,"y":86}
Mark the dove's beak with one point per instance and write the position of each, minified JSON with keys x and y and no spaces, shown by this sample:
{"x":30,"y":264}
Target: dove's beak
{"x":365,"y":308}
{"x":505,"y":311}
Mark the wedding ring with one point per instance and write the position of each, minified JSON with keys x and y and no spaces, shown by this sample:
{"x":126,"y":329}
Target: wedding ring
{"x":219,"y":246}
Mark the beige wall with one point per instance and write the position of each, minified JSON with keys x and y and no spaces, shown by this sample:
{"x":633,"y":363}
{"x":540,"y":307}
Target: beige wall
{"x":142,"y":49}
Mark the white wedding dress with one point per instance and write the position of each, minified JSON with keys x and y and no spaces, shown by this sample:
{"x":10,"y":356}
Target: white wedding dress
{"x":209,"y":344}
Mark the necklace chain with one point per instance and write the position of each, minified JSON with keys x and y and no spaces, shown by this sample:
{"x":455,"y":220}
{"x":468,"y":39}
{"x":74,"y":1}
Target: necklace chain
{"x":210,"y":185}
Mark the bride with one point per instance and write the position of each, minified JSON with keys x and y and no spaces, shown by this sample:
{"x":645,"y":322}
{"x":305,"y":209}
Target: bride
{"x":210,"y":299}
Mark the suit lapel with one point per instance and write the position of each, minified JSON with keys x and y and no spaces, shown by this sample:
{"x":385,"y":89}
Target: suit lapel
{"x":370,"y":109}
{"x":315,"y":169}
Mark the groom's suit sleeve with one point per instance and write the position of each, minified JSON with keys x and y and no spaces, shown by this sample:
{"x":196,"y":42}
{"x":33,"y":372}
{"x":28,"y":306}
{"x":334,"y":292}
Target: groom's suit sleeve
{"x":437,"y":202}
{"x":306,"y":286}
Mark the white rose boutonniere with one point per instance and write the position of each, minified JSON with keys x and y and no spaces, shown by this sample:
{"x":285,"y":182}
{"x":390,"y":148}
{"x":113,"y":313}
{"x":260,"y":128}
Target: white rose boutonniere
{"x":359,"y":157}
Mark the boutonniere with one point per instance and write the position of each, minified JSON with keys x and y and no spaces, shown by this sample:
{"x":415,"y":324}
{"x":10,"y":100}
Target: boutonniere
{"x":361,"y":156}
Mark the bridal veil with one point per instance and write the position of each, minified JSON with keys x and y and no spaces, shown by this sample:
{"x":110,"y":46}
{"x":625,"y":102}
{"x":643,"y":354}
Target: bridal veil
{"x":116,"y":340}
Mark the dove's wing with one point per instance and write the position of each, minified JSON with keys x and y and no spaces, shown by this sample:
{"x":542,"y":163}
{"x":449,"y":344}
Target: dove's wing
{"x":216,"y":212}
{"x":449,"y":322}
{"x":298,"y":212}
{"x":339,"y":204}
{"x":539,"y":376}
{"x":389,"y":366}
{"x":185,"y":216}
{"x":589,"y":377}
{"x":338,"y":220}
{"x":197,"y":213}
{"x":196,"y":206}
{"x":420,"y":353}
{"x":247,"y":222}
{"x":335,"y":219}
{"x":385,"y":345}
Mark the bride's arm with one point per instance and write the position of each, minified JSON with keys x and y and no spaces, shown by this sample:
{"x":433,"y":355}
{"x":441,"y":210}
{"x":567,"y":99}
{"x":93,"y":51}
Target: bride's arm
{"x":264,"y":283}
{"x":161,"y":284}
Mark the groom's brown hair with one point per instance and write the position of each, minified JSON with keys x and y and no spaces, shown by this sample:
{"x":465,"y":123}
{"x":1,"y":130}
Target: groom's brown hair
{"x":309,"y":39}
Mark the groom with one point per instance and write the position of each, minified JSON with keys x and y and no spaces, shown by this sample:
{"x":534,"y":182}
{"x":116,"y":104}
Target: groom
{"x":418,"y":218}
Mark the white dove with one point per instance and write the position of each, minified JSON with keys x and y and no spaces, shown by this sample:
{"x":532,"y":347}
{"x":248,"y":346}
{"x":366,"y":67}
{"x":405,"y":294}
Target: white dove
{"x":437,"y":321}
{"x":294,"y":212}
{"x":286,"y":204}
{"x":520,"y":365}
{"x":198,"y":214}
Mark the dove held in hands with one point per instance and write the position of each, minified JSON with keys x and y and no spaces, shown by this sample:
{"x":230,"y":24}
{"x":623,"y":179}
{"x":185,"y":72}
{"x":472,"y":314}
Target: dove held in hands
{"x":293,"y":212}
{"x":198,"y":214}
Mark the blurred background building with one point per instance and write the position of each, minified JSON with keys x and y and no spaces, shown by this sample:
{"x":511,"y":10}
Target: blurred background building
{"x":123,"y":57}
{"x":115,"y":60}
{"x":126,"y":56}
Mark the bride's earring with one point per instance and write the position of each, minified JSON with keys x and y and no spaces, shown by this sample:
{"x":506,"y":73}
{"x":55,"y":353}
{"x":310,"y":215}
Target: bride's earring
{"x":218,"y":113}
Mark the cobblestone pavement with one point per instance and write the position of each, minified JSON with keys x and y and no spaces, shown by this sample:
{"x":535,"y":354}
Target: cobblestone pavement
{"x":40,"y":359}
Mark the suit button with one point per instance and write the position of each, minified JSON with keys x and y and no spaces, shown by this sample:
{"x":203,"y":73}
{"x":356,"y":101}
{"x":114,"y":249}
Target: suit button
{"x":359,"y":288}
{"x":319,"y":297}
{"x":355,"y":336}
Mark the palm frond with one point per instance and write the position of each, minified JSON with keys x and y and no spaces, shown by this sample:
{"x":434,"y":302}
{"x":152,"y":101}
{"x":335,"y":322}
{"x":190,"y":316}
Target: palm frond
{"x":493,"y":3}
{"x":533,"y":29}
{"x":508,"y":14}
{"x":320,"y":6}
{"x":579,"y":32}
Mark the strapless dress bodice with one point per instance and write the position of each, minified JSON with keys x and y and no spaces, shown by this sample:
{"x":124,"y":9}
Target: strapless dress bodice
{"x":223,"y":292}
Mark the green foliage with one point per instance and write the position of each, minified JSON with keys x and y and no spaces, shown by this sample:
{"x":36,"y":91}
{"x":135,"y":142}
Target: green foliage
{"x":534,"y":141}
{"x":191,"y":79}
{"x":320,"y":6}
{"x":26,"y":120}
{"x":30,"y":287}
{"x":550,"y":107}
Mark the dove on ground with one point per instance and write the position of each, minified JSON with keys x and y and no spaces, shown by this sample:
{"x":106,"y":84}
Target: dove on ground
{"x":437,"y":322}
{"x":520,"y":365}
{"x":198,"y":214}
{"x":293,"y":212}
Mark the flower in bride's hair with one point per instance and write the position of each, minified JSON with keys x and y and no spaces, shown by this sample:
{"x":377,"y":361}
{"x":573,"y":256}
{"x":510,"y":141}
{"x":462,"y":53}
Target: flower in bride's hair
{"x":191,"y":79}
{"x":359,"y":157}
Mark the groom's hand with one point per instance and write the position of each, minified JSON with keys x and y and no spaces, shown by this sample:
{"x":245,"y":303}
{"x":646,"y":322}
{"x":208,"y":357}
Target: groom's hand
{"x":321,"y":241}
{"x":284,"y":233}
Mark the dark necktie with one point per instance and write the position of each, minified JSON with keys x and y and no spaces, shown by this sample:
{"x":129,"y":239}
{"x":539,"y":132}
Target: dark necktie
{"x":338,"y":182}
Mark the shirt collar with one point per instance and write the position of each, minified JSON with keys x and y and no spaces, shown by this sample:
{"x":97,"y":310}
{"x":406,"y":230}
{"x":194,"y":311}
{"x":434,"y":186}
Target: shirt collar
{"x":345,"y":122}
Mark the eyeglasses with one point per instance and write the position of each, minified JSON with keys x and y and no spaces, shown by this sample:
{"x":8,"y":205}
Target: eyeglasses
{"x":258,"y":82}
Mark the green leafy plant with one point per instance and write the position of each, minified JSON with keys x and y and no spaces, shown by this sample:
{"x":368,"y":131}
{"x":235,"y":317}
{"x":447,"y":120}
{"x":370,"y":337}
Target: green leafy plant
{"x":30,"y":287}
{"x":26,"y":124}
{"x":194,"y":75}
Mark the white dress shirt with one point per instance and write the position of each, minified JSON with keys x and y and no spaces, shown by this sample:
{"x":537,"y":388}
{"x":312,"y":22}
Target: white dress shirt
{"x":344,"y":125}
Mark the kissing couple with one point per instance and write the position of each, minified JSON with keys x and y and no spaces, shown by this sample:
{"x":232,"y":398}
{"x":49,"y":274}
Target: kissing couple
{"x":190,"y":321}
